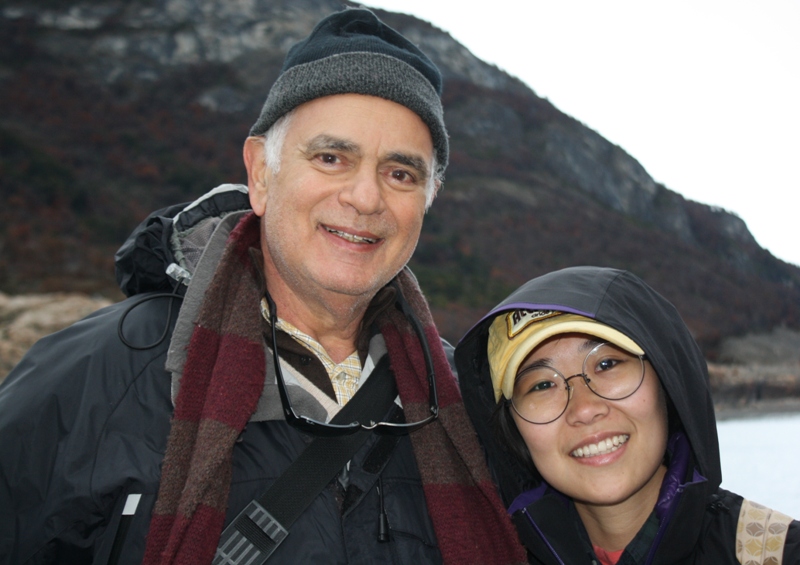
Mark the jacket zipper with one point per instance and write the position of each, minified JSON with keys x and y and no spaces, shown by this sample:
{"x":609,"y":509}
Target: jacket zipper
{"x":662,"y":528}
{"x":541,"y":535}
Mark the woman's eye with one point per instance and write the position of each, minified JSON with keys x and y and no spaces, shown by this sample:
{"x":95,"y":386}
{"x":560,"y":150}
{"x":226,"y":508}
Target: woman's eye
{"x":606,"y":365}
{"x":533,"y":387}
{"x":542,"y":385}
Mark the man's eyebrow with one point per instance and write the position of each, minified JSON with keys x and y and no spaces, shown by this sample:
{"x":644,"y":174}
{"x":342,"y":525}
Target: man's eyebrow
{"x":413,"y":161}
{"x":328,"y":142}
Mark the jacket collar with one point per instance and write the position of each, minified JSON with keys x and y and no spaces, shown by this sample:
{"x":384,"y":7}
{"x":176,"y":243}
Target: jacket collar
{"x":543,"y":515}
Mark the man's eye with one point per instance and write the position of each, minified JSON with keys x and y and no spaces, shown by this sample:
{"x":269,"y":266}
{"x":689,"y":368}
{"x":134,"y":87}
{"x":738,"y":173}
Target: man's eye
{"x":328,"y":158}
{"x":403,"y":176}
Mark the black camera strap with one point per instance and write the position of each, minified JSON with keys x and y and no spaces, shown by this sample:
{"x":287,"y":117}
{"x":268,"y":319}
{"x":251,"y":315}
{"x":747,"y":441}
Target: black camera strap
{"x":264,"y":523}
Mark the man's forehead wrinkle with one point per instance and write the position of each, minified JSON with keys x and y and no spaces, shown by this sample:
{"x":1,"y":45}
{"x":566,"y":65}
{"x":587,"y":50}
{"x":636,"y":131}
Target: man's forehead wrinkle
{"x":324,"y":141}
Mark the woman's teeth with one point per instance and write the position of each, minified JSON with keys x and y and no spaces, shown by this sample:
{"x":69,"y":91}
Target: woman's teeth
{"x":351,"y":237}
{"x":605,"y":446}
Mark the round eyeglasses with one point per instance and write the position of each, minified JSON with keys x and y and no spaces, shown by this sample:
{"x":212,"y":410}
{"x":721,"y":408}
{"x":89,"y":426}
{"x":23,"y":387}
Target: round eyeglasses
{"x":542,"y":393}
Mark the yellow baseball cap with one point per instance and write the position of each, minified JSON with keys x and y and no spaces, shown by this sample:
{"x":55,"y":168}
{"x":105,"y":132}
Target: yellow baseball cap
{"x":514,"y":334}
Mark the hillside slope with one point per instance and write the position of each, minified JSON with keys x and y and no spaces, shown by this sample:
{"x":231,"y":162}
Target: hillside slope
{"x":114,"y":109}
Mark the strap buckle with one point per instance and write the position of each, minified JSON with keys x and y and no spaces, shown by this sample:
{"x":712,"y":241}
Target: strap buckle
{"x":251,"y":538}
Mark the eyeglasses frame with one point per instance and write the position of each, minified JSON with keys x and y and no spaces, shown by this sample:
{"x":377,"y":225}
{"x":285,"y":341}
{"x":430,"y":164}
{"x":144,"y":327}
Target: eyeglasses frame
{"x":315,"y":427}
{"x":586,"y":380}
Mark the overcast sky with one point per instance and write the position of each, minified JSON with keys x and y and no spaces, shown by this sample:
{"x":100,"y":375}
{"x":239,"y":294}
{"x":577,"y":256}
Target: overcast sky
{"x":705,"y":94}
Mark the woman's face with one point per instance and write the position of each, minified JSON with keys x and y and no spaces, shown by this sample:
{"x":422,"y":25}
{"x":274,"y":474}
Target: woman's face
{"x":627,"y":470}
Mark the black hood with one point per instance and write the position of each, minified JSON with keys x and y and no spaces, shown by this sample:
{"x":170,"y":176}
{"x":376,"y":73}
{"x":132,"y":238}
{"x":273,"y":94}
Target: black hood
{"x":164,"y":249}
{"x":624,"y":302}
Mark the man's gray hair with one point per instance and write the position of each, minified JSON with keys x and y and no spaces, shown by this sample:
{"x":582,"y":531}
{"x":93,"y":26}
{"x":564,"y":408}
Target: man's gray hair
{"x":275,"y":137}
{"x":273,"y":142}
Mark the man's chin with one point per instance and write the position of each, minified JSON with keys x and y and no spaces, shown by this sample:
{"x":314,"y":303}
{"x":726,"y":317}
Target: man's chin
{"x":356,"y":289}
{"x":357,"y":284}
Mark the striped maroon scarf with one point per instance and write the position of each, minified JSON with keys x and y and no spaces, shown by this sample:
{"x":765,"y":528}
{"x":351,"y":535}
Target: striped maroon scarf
{"x":222,"y":381}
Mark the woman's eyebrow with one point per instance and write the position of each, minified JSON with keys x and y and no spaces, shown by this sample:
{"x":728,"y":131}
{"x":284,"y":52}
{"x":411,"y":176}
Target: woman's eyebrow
{"x":590,"y":344}
{"x":538,"y":364}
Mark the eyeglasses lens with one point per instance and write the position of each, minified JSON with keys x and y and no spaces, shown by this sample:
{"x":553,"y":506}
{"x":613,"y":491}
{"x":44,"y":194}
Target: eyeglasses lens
{"x":542,"y":393}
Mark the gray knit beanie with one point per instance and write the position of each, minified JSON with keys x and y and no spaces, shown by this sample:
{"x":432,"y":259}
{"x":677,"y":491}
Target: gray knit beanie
{"x":352,"y":51}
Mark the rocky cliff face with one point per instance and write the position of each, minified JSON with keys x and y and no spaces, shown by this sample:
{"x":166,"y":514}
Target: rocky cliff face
{"x":120,"y":108}
{"x":119,"y":43}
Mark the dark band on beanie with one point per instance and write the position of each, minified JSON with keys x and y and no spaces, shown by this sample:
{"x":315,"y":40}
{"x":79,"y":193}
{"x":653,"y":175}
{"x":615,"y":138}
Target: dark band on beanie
{"x":353,"y":52}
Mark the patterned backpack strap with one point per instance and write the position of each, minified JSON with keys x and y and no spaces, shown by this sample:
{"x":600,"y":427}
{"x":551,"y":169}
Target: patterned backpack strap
{"x":760,"y":535}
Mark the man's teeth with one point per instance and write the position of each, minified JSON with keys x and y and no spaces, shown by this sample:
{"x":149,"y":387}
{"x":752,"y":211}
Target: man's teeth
{"x":351,"y":237}
{"x":605,"y":446}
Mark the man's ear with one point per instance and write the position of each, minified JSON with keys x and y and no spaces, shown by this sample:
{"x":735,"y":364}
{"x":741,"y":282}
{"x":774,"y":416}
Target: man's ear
{"x":257,"y":173}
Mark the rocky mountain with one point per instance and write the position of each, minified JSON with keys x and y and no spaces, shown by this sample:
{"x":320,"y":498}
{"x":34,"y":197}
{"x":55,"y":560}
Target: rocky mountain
{"x":112,"y":109}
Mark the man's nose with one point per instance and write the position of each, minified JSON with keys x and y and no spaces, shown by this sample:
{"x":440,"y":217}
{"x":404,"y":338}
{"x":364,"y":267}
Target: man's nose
{"x":584,"y":405}
{"x":363,"y":192}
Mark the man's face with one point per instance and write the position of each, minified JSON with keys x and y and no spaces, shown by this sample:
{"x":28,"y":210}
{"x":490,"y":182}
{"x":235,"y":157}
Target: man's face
{"x":344,"y":212}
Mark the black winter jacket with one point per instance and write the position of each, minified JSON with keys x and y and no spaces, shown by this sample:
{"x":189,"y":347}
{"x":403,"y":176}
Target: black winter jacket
{"x":694,"y":521}
{"x":84,"y":420}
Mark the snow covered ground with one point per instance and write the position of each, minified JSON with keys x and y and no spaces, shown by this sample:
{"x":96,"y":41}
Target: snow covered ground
{"x":761,"y":460}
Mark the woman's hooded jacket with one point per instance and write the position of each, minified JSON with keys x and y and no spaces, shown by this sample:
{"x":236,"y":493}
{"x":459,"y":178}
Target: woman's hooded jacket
{"x":694,"y":520}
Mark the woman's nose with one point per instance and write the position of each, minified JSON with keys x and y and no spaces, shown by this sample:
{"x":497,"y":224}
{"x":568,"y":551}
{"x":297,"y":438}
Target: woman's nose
{"x":584,"y":405}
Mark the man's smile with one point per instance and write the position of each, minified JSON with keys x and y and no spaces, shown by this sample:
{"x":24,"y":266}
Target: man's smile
{"x":351,"y":237}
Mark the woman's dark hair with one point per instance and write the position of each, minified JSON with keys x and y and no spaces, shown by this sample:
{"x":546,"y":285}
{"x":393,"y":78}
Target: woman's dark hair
{"x":507,"y":434}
